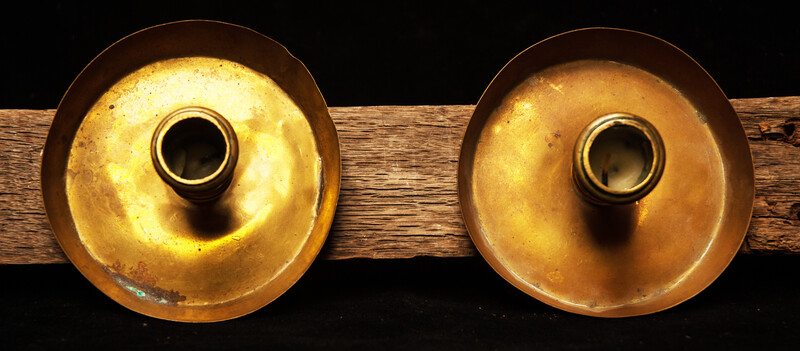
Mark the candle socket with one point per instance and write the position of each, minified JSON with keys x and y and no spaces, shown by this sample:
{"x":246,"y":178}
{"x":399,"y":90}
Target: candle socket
{"x":194,"y":150}
{"x":618,"y":159}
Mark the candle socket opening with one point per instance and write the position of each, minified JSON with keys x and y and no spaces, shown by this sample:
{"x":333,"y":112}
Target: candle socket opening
{"x":195,"y":150}
{"x":621,"y":157}
{"x":618,"y":159}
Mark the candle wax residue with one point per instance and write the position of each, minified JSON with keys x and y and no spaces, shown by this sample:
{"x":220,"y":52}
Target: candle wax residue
{"x":622,"y":162}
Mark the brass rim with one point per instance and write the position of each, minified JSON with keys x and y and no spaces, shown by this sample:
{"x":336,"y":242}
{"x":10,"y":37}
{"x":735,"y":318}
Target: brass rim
{"x":123,"y":226}
{"x":529,"y":220}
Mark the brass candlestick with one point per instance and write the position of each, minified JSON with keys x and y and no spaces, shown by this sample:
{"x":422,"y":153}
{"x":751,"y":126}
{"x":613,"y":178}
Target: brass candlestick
{"x":192,"y":171}
{"x":542,"y":191}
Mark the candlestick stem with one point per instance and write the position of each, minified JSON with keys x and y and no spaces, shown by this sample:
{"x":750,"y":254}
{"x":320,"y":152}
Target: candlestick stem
{"x":195,"y":150}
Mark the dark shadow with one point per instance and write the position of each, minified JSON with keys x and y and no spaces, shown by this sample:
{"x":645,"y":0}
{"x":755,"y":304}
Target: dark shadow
{"x":611,"y":225}
{"x":210,"y":220}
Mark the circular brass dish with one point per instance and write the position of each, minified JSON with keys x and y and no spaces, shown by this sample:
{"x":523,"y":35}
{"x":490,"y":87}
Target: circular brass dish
{"x":533,"y":225}
{"x":131,"y":217}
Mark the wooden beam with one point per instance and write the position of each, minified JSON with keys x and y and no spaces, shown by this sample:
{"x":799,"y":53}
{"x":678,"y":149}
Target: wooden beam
{"x":399,"y":195}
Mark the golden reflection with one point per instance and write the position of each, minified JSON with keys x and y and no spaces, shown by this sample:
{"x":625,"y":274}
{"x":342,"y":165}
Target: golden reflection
{"x":540,"y":228}
{"x":270,"y":207}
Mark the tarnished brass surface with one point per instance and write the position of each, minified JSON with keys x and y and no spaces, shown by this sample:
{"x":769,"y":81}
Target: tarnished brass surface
{"x":535,"y":229}
{"x":131,"y":234}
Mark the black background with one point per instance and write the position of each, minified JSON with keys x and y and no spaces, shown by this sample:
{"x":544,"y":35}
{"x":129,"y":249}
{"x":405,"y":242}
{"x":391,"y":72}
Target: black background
{"x":416,"y":53}
{"x":398,"y":53}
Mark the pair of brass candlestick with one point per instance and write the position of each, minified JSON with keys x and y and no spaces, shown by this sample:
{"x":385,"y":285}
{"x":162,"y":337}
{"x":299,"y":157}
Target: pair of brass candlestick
{"x":192,"y":172}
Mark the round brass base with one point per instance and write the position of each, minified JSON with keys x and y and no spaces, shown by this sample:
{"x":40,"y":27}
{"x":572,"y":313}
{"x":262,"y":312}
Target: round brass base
{"x":137,"y":239}
{"x":528,"y":220}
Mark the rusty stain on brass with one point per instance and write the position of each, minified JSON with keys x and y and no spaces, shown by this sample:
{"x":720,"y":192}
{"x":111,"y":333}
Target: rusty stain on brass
{"x":228,"y":219}
{"x":551,"y":138}
{"x":141,"y":283}
{"x":533,"y":225}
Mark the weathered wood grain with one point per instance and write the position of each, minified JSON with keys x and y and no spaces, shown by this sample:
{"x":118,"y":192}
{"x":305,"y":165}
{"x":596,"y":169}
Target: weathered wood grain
{"x":773,"y":127}
{"x":399,"y":194}
{"x":25,"y":236}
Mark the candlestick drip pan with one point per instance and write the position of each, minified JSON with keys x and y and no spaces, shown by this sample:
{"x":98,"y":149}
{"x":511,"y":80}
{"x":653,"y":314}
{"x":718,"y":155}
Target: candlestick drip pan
{"x":527,"y":219}
{"x":222,"y":243}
